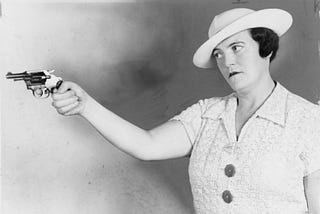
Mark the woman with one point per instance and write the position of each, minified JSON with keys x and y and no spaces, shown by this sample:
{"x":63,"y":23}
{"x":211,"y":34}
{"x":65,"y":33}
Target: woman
{"x":254,"y":151}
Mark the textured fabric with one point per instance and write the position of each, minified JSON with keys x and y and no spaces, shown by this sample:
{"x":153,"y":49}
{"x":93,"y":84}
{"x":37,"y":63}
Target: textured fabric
{"x":277,"y":147}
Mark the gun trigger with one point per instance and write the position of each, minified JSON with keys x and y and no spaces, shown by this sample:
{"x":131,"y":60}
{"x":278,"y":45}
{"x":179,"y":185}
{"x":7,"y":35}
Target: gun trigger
{"x":46,"y":93}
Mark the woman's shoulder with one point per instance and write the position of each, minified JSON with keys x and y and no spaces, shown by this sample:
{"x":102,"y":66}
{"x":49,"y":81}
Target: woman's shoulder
{"x":305,"y":110}
{"x":212,"y":101}
{"x":198,"y":109}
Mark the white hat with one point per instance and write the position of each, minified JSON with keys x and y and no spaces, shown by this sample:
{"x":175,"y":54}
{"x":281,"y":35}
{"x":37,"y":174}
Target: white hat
{"x":236,"y":20}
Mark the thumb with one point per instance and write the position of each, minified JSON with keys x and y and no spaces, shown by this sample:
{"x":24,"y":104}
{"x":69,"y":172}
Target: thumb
{"x":65,"y":86}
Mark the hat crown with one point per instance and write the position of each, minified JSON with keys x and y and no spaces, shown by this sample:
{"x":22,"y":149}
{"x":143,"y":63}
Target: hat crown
{"x":224,"y":19}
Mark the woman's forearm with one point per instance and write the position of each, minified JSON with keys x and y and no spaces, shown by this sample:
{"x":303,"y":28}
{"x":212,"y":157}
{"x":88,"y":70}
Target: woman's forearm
{"x":121,"y":133}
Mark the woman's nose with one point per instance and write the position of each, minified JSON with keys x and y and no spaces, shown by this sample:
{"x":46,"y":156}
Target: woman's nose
{"x":229,"y":59}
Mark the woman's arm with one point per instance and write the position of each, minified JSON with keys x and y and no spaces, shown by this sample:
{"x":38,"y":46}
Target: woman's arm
{"x":163,"y":142}
{"x":312,"y":191}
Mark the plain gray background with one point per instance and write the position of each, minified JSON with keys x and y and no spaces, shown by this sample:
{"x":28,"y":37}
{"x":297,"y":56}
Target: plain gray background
{"x":134,"y":57}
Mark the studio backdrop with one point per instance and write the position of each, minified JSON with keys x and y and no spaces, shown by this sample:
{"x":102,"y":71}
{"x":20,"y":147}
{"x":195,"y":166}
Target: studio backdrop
{"x":135,"y":58}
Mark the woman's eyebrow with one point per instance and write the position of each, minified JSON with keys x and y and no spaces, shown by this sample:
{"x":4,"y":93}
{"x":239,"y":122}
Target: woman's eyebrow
{"x":231,"y":44}
{"x":235,"y":43}
{"x":215,"y":49}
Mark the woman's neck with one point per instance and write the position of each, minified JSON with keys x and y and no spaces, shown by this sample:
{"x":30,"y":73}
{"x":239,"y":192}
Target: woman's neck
{"x":255,"y":97}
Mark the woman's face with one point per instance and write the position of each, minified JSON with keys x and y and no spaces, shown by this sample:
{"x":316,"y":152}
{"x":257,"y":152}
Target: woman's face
{"x":239,"y":61}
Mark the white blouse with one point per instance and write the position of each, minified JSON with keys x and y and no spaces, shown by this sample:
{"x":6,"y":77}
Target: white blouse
{"x":262,"y":171}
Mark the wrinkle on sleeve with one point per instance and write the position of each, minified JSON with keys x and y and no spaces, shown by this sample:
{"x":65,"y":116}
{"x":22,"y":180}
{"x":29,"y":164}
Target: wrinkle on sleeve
{"x":311,"y":148}
{"x":191,"y":119}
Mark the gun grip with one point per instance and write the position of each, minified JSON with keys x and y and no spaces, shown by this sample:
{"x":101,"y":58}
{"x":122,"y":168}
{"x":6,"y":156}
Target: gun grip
{"x":59,"y":84}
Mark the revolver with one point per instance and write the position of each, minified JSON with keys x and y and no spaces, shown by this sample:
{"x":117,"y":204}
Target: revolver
{"x":41,"y":82}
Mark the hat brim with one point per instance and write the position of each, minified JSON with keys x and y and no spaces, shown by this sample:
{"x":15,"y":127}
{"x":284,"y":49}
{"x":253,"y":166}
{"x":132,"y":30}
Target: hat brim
{"x":275,"y":19}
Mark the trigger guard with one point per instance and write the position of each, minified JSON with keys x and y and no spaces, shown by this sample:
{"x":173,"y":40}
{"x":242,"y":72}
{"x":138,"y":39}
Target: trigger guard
{"x":38,"y":92}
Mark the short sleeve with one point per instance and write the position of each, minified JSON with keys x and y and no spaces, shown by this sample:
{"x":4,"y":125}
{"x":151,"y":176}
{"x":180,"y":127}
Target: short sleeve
{"x":311,"y":146}
{"x":191,"y":119}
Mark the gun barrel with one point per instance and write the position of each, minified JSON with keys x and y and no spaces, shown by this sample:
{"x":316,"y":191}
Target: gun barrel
{"x":19,"y":79}
{"x":26,"y":76}
{"x":17,"y":75}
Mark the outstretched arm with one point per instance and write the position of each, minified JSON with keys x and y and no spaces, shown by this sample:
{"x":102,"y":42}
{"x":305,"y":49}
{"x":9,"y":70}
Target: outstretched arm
{"x":168,"y":140}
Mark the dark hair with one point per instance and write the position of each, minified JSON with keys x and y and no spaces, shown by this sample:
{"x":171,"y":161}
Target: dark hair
{"x":268,"y":41}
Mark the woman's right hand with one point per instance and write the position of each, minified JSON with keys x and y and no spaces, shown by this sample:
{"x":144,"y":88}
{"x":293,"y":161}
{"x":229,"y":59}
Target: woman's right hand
{"x":69,"y":99}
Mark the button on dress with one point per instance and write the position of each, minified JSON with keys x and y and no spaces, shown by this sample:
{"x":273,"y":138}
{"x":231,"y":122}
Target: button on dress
{"x":260,"y":172}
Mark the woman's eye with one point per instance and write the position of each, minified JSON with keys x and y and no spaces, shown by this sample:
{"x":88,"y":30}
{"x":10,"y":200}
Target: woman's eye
{"x":236,"y":48}
{"x":217,"y":55}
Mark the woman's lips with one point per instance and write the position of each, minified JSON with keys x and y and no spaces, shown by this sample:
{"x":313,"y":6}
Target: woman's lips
{"x":233,"y":73}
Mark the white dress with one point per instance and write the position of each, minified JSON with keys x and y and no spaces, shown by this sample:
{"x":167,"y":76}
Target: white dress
{"x":261,"y":172}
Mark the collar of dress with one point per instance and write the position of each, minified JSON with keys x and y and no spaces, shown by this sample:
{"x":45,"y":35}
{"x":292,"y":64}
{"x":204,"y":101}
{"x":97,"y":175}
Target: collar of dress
{"x":274,"y":108}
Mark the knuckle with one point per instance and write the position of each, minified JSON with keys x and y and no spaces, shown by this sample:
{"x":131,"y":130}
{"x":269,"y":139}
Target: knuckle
{"x":57,"y":104}
{"x":61,"y":110}
{"x":69,"y":93}
{"x":54,"y":96}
